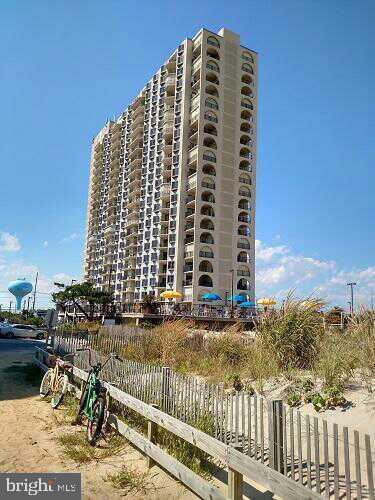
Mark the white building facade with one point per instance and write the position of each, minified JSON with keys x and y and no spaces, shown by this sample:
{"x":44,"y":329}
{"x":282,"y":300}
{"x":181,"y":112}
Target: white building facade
{"x":172,"y":180}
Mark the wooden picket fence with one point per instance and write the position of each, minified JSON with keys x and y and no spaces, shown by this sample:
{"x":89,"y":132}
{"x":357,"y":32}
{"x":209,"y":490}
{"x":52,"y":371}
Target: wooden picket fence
{"x":326,"y":458}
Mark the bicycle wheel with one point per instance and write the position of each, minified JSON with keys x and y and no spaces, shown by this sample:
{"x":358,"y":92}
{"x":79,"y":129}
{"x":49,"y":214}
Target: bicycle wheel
{"x":94,"y":425}
{"x":82,"y":404}
{"x":45,"y":386}
{"x":61,"y":388}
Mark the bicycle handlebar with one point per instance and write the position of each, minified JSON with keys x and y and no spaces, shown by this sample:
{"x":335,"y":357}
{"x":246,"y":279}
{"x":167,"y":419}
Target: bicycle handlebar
{"x":99,"y":365}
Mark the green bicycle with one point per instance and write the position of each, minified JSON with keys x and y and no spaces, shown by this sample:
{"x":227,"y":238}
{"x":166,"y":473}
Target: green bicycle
{"x":94,"y":401}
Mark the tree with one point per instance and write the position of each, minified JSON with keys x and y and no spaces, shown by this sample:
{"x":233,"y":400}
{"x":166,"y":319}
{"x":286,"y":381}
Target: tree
{"x":81,"y":295}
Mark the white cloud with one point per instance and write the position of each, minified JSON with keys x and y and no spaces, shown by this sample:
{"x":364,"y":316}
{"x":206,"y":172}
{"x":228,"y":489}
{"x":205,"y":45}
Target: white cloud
{"x":279,"y":269}
{"x":71,"y":237}
{"x":266,"y":253}
{"x":9,"y":243}
{"x":45,"y":243}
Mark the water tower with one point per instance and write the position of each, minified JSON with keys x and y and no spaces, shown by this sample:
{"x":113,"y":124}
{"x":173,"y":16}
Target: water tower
{"x":19,"y":288}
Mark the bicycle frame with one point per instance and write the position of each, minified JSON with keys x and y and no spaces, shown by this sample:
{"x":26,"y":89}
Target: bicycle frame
{"x":56,"y":371}
{"x":93,"y":385}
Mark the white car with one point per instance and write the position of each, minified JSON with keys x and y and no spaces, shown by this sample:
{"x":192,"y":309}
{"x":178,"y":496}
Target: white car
{"x":25,"y":331}
{"x":4,"y":328}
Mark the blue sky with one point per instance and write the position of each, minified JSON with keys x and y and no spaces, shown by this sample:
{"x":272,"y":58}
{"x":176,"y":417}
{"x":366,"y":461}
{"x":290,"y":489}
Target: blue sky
{"x":66,"y":66}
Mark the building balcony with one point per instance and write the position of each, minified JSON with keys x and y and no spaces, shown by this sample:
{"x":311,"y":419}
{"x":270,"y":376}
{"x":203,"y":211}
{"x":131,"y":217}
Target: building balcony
{"x":165,"y":191}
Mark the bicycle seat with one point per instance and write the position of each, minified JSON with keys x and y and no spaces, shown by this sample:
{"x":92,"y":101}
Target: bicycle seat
{"x":63,"y":364}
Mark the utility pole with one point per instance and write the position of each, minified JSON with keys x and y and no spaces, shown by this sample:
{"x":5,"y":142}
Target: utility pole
{"x":231,"y":298}
{"x":35,"y":286}
{"x":352,"y":284}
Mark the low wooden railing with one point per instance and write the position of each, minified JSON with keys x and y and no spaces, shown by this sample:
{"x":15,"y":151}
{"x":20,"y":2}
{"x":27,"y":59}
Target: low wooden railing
{"x":237,"y":464}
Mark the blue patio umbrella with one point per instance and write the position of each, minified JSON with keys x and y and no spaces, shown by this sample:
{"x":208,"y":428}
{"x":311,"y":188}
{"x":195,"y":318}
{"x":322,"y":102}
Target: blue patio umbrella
{"x":247,"y":304}
{"x":238,"y":298}
{"x":211,"y":296}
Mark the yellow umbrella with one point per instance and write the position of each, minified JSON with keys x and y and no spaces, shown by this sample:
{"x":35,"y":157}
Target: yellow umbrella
{"x":171,"y":294}
{"x":266,"y":301}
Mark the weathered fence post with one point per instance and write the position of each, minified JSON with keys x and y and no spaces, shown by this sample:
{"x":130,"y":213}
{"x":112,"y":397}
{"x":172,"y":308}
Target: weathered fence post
{"x":277,"y":435}
{"x":152,"y":434}
{"x":235,"y":481}
{"x":165,"y":387}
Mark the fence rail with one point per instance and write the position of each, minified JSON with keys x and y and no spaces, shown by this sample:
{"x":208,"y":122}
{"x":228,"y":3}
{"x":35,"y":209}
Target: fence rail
{"x":320,"y":456}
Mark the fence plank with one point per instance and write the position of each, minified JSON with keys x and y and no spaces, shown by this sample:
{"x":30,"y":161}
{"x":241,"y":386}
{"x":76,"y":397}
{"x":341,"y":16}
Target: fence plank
{"x":326,"y":459}
{"x":178,"y":470}
{"x":299,"y":445}
{"x":261,"y":409}
{"x":243,"y":464}
{"x":347,"y":463}
{"x":291,"y":437}
{"x":336,"y":469}
{"x":370,"y":473}
{"x":317,"y":455}
{"x":308,"y":452}
{"x":357,"y":458}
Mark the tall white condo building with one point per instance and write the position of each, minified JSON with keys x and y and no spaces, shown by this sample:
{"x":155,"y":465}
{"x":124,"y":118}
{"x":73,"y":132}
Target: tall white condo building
{"x":172,"y":181}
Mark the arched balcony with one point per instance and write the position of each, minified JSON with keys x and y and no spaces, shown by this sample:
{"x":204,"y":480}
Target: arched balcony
{"x":206,"y":252}
{"x":246,"y":115}
{"x":207,"y":224}
{"x":209,"y":156}
{"x":207,"y":210}
{"x":247,"y":68}
{"x":212,"y":66}
{"x":243,"y":284}
{"x":246,"y":103}
{"x":205,"y":280}
{"x":208,"y":197}
{"x":213,"y":41}
{"x":207,"y":182}
{"x":246,"y":91}
{"x":244,"y":217}
{"x":206,"y":267}
{"x":211,"y":103}
{"x":244,"y":191}
{"x":209,"y":170}
{"x":247,"y":79}
{"x":246,"y":127}
{"x":211,"y":116}
{"x":243,"y":257}
{"x":209,"y":142}
{"x":245,"y":179}
{"x":246,"y":56}
{"x":212,"y":78}
{"x":243,"y":230}
{"x":245,"y":140}
{"x":212,"y":90}
{"x":244,"y":205}
{"x":213,"y":53}
{"x":244,"y":244}
{"x":245,"y":166}
{"x":246,"y":153}
{"x":210,"y":129}
{"x":243,"y":271}
{"x":207,"y":238}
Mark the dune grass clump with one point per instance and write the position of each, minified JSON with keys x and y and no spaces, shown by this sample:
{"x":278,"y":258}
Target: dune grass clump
{"x":292,"y":334}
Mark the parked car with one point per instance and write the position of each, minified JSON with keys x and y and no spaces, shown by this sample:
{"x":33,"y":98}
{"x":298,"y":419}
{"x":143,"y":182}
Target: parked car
{"x":4,"y":328}
{"x":24,"y":331}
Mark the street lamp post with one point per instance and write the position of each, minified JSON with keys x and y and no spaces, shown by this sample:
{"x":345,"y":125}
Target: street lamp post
{"x":351,"y":284}
{"x":231,"y":298}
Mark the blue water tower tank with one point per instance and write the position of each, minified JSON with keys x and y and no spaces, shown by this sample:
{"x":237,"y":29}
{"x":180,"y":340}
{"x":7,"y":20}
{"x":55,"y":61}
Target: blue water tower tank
{"x":19,"y":288}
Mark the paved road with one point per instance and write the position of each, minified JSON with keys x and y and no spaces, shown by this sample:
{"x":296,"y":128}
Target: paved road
{"x":19,"y":345}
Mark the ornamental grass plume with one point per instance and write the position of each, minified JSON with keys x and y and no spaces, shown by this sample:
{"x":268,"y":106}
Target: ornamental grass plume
{"x":292,"y":333}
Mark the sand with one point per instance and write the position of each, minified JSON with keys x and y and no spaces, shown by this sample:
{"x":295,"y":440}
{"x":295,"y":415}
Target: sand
{"x":29,"y":428}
